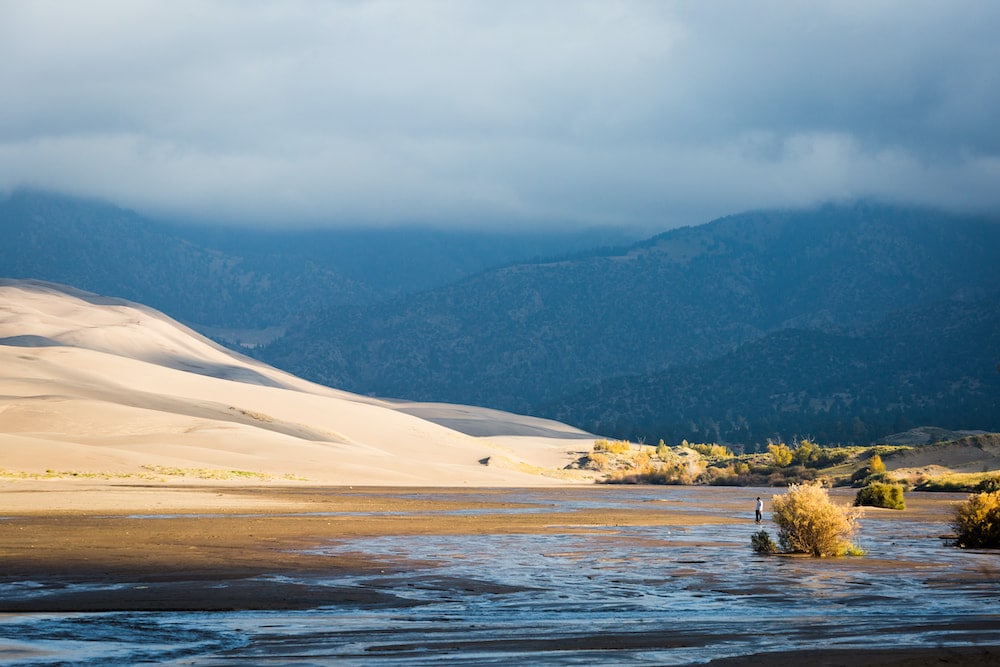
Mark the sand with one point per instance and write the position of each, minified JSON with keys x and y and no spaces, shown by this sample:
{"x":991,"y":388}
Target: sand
{"x":107,"y":389}
{"x":177,"y":542}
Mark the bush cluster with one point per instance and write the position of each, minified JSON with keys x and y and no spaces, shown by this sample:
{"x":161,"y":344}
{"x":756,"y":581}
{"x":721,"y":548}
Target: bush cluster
{"x":739,"y":473}
{"x":808,"y":453}
{"x":613,"y":446}
{"x":977,"y":521}
{"x":988,"y":485}
{"x":672,"y":473}
{"x":881,"y":494}
{"x":712,"y":451}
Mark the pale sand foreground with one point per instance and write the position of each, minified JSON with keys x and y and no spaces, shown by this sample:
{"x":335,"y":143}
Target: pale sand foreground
{"x":98,"y":386}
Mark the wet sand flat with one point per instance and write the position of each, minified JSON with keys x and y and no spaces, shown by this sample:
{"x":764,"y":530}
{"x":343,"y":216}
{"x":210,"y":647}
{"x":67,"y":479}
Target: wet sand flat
{"x":565,"y":575}
{"x":273,"y":535}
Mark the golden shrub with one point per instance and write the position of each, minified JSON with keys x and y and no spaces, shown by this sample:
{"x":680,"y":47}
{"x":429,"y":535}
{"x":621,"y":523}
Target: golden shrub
{"x":613,"y":446}
{"x":781,"y":454}
{"x":809,"y":522}
{"x":977,"y":521}
{"x":599,"y":460}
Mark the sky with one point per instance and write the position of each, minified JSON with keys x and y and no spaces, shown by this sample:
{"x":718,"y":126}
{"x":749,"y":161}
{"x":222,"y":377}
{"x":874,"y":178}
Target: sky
{"x":516,"y":113}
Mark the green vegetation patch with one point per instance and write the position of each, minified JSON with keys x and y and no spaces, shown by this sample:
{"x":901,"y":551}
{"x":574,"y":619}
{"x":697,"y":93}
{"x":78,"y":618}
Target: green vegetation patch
{"x":762,"y":543}
{"x":880,"y":494}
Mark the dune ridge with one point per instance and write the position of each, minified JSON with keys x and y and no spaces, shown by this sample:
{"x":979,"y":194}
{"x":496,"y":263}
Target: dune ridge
{"x":98,"y":385}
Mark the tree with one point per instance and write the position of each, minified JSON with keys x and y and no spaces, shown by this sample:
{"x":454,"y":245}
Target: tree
{"x":806,"y":452}
{"x":781,"y":454}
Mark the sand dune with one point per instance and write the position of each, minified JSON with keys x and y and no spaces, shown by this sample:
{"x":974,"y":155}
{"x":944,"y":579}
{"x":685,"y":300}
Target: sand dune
{"x":98,"y":385}
{"x":970,"y":454}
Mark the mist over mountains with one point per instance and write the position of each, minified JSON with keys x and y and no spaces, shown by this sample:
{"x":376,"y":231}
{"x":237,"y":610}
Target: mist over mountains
{"x":843,"y":322}
{"x":245,"y":278}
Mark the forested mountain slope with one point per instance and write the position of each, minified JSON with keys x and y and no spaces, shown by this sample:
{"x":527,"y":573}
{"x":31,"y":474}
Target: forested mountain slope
{"x":525,"y":337}
{"x":931,"y":365}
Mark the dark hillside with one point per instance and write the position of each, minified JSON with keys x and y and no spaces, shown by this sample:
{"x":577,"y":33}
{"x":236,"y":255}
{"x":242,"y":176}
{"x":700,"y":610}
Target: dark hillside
{"x":109,"y":250}
{"x":932,"y":365}
{"x":526,"y":336}
{"x":394,"y":261}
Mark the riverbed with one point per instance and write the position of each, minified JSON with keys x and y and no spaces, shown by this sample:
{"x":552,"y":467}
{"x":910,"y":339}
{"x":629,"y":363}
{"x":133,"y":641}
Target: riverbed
{"x":587,"y":575}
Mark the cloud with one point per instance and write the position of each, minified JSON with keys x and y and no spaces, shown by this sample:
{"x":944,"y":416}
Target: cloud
{"x":457,"y":112}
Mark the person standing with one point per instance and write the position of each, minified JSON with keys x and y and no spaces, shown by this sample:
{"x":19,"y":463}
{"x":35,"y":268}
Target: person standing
{"x":759,"y":512}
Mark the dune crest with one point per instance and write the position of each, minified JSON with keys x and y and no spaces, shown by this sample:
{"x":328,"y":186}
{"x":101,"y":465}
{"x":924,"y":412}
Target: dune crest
{"x":95,"y":385}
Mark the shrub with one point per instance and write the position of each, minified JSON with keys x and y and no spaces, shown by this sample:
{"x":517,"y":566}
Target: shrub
{"x":873,"y":472}
{"x":613,"y":446}
{"x":781,"y":454}
{"x":662,"y":451}
{"x":988,"y":485}
{"x":809,"y":522}
{"x":740,"y":468}
{"x":880,"y":494}
{"x":762,"y":543}
{"x":598,"y":461}
{"x":807,"y":452}
{"x":859,"y":475}
{"x":713,"y":451}
{"x":885,"y":450}
{"x":977,"y":521}
{"x":830,"y":456}
{"x":676,"y":474}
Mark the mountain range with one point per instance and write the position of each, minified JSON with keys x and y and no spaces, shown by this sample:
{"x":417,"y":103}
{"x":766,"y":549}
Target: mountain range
{"x":673,"y":336}
{"x":236,"y":278}
{"x":927,"y":365}
{"x":843,"y":322}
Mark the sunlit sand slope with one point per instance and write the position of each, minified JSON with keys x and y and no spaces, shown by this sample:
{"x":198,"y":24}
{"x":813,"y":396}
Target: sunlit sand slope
{"x":97,"y":385}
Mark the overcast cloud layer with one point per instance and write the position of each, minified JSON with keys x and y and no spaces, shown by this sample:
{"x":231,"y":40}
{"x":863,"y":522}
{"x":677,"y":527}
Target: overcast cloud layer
{"x":463,"y":112}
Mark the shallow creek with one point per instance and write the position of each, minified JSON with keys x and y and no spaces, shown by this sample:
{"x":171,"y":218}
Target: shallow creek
{"x":582,"y":595}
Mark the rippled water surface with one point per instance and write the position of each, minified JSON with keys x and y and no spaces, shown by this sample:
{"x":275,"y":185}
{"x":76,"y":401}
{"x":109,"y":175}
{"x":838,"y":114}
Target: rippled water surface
{"x":656,"y":594}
